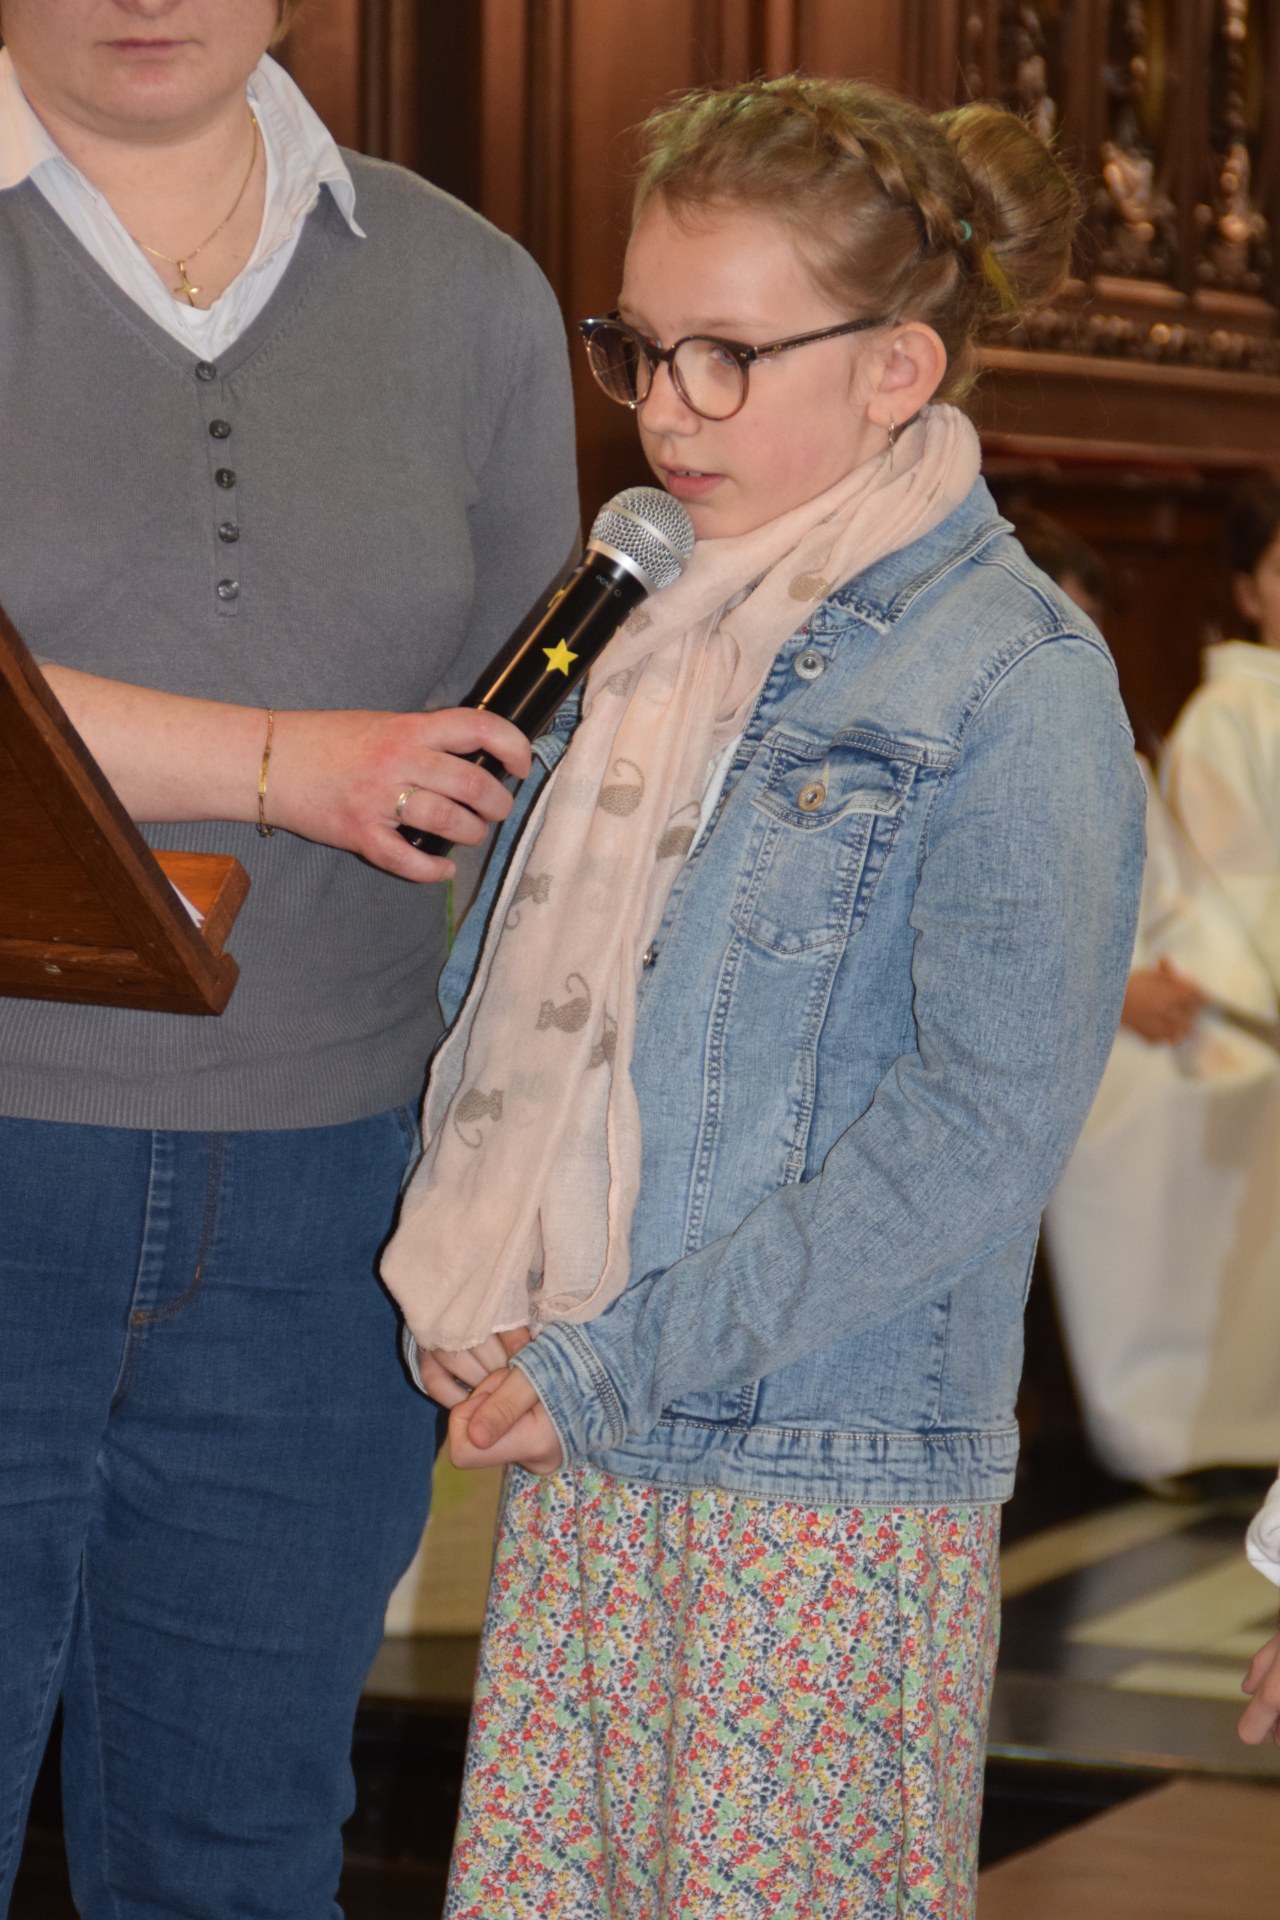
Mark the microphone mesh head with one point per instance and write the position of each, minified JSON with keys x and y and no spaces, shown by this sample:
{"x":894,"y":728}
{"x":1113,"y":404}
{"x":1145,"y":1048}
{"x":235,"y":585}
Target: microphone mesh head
{"x":648,"y":529}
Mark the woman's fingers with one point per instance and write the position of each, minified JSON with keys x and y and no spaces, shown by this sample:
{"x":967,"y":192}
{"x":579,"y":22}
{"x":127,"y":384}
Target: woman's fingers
{"x":350,"y":779}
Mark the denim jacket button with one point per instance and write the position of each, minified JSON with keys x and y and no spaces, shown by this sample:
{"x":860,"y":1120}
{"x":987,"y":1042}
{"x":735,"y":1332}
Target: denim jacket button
{"x":810,"y":798}
{"x":809,"y":665}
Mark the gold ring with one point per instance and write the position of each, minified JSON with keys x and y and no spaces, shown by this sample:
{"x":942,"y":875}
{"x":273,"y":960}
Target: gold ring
{"x":405,"y":796}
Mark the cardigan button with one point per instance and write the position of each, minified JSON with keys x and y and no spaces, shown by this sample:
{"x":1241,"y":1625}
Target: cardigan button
{"x":205,"y":370}
{"x":225,"y":478}
{"x":220,"y":429}
{"x":228,"y":533}
{"x":228,"y":590}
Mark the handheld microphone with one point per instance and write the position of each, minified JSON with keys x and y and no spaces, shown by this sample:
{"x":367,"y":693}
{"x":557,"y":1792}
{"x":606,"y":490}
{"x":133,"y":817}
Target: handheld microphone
{"x":639,"y":542}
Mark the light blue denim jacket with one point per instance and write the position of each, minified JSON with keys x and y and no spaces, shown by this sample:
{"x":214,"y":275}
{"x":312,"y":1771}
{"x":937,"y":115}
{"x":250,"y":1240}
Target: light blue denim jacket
{"x":868,"y":1033}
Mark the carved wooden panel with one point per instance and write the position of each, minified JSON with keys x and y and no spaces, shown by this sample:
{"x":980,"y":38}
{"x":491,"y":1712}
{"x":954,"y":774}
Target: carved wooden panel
{"x":1159,"y":104}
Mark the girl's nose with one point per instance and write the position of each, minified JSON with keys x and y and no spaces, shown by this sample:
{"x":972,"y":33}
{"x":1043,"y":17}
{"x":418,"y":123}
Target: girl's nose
{"x":663,"y":410}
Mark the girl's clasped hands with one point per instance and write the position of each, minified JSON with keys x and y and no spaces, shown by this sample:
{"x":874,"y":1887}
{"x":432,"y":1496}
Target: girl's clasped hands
{"x":496,"y":1417}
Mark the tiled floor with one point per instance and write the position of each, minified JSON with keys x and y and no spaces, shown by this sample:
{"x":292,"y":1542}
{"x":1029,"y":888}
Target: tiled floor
{"x":1126,"y":1634}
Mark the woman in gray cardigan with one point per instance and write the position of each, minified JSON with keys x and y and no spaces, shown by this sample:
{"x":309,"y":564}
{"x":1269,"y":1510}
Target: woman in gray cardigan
{"x":287,"y":452}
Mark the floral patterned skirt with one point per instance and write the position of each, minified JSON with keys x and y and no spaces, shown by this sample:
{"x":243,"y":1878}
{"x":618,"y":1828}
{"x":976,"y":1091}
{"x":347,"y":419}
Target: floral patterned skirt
{"x":704,"y":1705}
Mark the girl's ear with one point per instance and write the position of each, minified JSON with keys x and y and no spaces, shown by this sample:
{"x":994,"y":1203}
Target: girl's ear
{"x":1244,"y":591}
{"x":909,"y":374}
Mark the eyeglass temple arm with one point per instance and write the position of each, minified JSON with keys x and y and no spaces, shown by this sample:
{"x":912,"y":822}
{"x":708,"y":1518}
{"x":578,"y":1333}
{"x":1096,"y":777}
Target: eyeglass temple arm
{"x":808,"y":339}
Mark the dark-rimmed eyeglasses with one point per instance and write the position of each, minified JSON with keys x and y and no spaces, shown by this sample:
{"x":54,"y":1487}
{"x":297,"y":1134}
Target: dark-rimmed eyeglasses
{"x":709,"y":374}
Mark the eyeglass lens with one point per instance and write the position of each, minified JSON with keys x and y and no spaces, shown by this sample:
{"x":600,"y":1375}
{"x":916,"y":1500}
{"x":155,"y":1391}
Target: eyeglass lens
{"x":709,"y":379}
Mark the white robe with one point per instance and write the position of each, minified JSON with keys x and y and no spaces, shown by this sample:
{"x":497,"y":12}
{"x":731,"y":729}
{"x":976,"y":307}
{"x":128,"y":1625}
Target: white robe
{"x":1164,"y":1233}
{"x":1221,"y":778}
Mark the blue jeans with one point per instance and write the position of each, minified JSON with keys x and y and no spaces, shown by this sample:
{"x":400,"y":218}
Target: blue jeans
{"x":212,"y":1472}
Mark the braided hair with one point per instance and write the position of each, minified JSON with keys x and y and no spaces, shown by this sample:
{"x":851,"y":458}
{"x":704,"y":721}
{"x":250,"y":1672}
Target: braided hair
{"x":957,"y":219}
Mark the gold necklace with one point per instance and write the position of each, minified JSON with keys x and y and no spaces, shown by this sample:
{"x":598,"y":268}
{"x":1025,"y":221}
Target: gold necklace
{"x":187,"y":287}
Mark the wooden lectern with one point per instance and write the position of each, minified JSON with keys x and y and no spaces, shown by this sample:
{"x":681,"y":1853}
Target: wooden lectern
{"x":87,"y":911}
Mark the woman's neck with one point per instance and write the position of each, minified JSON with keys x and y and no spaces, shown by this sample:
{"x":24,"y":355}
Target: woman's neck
{"x":171,"y":190}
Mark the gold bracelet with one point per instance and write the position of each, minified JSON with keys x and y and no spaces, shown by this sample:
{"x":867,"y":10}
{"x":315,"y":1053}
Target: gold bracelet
{"x":263,"y":828}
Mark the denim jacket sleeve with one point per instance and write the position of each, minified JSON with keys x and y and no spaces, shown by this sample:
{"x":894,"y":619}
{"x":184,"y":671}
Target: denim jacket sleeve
{"x":1023,"y":919}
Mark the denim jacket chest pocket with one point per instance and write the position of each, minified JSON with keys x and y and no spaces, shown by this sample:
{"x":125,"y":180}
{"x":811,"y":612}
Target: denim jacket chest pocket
{"x":826,"y":815}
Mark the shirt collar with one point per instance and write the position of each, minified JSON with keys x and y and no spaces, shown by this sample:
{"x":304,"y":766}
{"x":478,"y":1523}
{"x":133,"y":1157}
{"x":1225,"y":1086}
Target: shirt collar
{"x":304,"y":154}
{"x":24,"y":142}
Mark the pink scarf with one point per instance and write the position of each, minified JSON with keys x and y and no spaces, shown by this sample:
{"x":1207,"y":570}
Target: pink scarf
{"x":520,"y":1211}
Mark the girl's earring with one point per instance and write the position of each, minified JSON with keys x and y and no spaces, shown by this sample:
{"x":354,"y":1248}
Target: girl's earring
{"x":893,"y":439}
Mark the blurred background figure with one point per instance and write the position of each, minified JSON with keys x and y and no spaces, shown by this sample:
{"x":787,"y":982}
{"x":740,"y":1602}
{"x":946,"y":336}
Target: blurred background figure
{"x":1164,"y":1234}
{"x":1077,"y":567}
{"x":1221,"y":773}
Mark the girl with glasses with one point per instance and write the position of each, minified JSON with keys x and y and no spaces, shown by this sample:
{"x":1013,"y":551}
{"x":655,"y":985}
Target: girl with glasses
{"x":783,"y":1019}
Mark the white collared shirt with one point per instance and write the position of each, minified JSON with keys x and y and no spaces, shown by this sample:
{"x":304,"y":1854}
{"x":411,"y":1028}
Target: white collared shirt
{"x":302,"y":157}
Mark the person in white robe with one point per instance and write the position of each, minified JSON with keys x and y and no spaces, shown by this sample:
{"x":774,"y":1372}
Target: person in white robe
{"x":1221,"y":772}
{"x":1164,"y":1234}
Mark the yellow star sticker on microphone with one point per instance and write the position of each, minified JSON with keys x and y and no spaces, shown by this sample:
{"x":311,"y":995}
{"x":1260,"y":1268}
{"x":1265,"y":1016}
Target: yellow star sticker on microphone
{"x":559,"y":658}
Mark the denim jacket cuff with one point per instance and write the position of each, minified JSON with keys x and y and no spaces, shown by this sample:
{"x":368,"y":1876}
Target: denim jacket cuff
{"x":575,"y":1389}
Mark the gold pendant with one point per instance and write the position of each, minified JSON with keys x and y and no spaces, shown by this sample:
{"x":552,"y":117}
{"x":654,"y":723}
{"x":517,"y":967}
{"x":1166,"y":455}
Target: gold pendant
{"x":186,"y":286}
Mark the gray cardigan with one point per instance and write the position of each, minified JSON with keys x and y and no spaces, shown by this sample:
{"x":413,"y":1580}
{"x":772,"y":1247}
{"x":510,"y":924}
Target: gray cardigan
{"x":352,"y":509}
